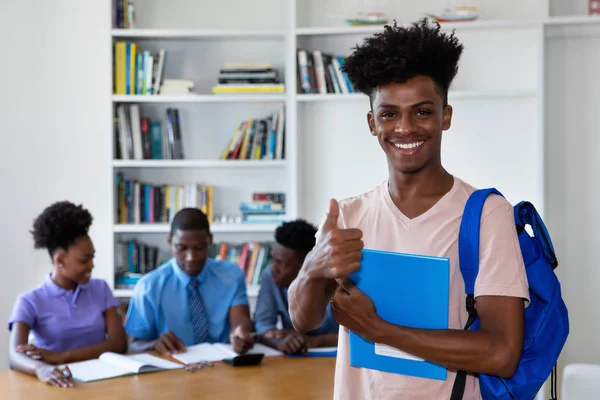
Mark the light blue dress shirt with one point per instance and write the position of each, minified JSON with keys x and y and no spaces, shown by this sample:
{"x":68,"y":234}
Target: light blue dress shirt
{"x":159,"y":303}
{"x":272,"y":303}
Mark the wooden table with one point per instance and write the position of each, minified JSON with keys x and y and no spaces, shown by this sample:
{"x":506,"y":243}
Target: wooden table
{"x":276,"y":378}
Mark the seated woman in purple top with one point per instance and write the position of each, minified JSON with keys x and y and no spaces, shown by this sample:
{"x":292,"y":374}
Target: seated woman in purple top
{"x":72,"y":317}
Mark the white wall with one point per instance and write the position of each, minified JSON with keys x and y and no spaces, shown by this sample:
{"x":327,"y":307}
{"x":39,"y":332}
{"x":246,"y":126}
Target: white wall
{"x":55,"y":115}
{"x":573,"y":141}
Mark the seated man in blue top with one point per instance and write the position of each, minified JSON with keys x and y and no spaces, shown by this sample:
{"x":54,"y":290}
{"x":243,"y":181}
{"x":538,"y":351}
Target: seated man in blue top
{"x":293,"y":240}
{"x":191,"y":298}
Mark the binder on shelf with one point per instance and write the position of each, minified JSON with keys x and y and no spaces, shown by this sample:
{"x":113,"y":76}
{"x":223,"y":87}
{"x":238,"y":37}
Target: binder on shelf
{"x":407,"y":290}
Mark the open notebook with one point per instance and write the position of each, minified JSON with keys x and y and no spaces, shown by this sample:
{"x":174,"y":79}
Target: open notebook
{"x":111,"y":365}
{"x":218,"y":352}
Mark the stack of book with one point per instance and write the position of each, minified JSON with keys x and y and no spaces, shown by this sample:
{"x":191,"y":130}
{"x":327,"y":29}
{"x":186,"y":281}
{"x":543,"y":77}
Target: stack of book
{"x":248,"y":78}
{"x":176,"y":86}
{"x":265,"y":208}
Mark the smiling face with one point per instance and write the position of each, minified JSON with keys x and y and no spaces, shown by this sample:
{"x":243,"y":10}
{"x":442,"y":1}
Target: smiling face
{"x":77,"y":262}
{"x":408,"y":119}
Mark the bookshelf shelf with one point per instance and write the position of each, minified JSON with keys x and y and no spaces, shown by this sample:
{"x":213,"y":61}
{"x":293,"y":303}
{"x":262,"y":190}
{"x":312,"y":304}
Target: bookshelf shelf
{"x":199,"y":163}
{"x":215,"y":228}
{"x":200,"y":98}
{"x":330,"y":97}
{"x":370,"y":29}
{"x":573,"y":20}
{"x":127,"y":293}
{"x":194,"y":33}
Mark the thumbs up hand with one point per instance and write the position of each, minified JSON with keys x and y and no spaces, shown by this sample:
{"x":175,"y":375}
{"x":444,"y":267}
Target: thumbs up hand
{"x":337,"y":253}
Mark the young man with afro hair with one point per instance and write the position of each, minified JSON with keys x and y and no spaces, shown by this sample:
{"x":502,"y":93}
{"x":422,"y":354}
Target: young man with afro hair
{"x":293,"y":240}
{"x":407,"y":72}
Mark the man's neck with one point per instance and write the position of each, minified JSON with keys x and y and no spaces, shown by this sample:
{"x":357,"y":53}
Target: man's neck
{"x":415,"y":193}
{"x":427,"y":182}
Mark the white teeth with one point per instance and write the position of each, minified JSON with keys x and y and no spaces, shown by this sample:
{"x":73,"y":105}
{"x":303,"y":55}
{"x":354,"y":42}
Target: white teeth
{"x":409,"y":145}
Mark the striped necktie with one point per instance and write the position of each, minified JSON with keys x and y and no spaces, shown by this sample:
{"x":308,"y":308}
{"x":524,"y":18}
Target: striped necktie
{"x":197,"y":312}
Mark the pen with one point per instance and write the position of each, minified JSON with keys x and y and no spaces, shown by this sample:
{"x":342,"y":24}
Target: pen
{"x":251,"y":334}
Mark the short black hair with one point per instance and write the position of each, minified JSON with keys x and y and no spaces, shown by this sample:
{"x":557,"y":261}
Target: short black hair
{"x":189,"y":219}
{"x":297,"y":235}
{"x":59,"y":225}
{"x":400,"y":53}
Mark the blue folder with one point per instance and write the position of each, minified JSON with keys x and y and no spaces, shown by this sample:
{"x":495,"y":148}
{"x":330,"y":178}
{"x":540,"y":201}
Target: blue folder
{"x":408,"y":290}
{"x":317,"y":352}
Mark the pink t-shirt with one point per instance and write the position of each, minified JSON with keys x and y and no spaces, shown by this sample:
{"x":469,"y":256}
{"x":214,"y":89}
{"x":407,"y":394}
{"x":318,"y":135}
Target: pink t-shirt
{"x":435,"y":233}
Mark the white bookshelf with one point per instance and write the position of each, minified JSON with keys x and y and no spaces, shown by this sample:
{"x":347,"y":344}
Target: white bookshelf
{"x":196,"y":50}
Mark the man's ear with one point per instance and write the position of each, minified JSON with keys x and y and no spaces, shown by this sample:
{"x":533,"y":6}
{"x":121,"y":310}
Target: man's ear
{"x":169,"y":240}
{"x":371,"y":122}
{"x":447,"y":118}
{"x":210,"y":239}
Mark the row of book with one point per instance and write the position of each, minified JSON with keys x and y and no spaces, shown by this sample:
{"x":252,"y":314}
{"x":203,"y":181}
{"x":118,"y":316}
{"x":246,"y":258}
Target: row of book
{"x":251,"y":257}
{"x":140,"y":138}
{"x":248,"y":78}
{"x":134,"y":259}
{"x":320,"y":72}
{"x":139,"y":202}
{"x":258,"y":139}
{"x":137,"y":71}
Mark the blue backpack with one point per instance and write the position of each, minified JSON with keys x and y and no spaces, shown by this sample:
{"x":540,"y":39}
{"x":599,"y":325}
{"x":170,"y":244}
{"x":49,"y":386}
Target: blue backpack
{"x":546,"y":318}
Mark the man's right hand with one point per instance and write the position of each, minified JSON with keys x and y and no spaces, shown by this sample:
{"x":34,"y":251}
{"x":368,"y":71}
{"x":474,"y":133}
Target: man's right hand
{"x":337,"y":253}
{"x":168,"y":344}
{"x":293,"y":342}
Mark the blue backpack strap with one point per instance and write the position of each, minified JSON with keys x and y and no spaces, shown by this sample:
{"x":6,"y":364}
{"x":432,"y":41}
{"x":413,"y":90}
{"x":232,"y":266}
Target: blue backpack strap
{"x":468,"y":257}
{"x":468,"y":237}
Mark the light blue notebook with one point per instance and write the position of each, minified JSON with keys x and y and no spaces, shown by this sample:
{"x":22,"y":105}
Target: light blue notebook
{"x":408,"y":290}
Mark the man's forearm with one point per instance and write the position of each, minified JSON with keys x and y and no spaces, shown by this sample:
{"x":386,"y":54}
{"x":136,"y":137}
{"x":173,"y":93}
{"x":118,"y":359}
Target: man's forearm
{"x":473,"y":351}
{"x":308,"y":299}
{"x":327,"y":340}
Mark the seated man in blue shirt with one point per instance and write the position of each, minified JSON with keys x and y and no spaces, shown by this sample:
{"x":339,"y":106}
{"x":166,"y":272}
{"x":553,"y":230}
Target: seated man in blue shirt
{"x":293,"y":240}
{"x":191,"y":298}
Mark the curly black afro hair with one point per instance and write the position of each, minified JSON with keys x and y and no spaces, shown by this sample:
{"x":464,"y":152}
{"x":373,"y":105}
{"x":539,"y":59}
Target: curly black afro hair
{"x":400,"y":53}
{"x":297,"y":235}
{"x":59,"y":225}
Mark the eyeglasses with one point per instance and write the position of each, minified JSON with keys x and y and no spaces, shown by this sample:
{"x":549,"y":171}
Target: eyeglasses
{"x":198,"y":366}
